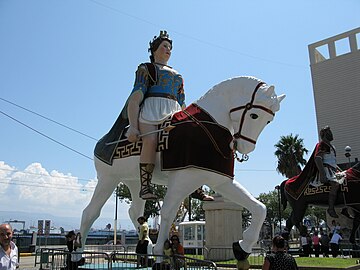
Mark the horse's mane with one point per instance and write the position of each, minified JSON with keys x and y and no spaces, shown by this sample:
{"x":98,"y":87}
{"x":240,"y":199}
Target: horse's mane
{"x":267,"y":98}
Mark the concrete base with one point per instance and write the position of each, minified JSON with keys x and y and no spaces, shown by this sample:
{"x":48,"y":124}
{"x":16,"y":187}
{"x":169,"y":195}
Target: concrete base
{"x":223,"y":227}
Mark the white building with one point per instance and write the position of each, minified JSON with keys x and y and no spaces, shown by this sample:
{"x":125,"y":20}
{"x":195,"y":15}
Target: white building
{"x":335,"y":71}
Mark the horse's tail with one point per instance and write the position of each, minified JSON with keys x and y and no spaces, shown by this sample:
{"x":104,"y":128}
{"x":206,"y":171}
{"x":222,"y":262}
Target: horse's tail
{"x":282,"y":194}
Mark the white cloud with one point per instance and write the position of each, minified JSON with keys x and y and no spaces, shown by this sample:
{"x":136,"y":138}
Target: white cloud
{"x":34,"y":189}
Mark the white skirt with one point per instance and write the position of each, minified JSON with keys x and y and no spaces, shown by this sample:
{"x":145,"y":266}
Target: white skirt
{"x":156,"y":109}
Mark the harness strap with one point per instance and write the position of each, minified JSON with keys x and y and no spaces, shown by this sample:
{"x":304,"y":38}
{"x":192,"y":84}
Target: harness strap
{"x":247,"y":107}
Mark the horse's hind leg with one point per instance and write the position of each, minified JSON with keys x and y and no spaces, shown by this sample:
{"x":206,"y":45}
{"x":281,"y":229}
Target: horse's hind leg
{"x":101,"y":194}
{"x":356,"y":224}
{"x":237,"y":194}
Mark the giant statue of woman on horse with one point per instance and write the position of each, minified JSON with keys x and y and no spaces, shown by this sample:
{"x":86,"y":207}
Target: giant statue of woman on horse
{"x":226,"y":120}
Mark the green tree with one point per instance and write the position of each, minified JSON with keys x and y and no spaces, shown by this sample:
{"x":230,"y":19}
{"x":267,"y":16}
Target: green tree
{"x":152,"y":208}
{"x":271,"y":201}
{"x":290,"y":151}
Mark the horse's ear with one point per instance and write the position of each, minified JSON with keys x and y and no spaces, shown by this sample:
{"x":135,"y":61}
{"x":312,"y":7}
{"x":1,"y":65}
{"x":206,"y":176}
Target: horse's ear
{"x":281,"y":97}
{"x":270,"y":91}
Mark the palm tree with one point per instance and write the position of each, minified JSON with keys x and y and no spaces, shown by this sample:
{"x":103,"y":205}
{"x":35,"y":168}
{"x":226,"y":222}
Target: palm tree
{"x":290,"y":151}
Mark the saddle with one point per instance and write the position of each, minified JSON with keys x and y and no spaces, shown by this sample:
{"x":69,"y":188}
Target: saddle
{"x":197,"y":141}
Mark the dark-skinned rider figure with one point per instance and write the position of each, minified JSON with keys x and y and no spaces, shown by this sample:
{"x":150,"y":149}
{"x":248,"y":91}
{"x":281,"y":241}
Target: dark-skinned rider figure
{"x":325,"y":161}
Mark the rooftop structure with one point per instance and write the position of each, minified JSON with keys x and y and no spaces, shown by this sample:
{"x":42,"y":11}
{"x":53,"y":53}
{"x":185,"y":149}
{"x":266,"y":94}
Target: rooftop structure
{"x":335,"y":71}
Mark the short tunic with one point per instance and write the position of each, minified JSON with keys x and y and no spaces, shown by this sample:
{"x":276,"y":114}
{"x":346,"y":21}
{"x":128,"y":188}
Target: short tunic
{"x":329,"y":161}
{"x":162,"y":99}
{"x":281,"y":261}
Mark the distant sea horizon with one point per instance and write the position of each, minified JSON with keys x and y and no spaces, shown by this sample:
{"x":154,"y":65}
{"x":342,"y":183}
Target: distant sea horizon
{"x":68,"y":223}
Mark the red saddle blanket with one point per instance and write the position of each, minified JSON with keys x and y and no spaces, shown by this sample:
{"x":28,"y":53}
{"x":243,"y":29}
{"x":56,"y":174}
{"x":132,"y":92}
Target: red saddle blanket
{"x":198,"y":141}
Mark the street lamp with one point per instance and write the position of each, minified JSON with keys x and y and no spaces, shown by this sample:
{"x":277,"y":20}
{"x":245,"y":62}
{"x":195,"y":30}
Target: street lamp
{"x":348,"y":154}
{"x":279,"y":203}
{"x":116,"y":213}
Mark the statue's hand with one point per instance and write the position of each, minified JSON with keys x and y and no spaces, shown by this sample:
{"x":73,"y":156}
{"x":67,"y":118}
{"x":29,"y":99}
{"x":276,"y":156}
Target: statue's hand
{"x":323,"y":178}
{"x":133,"y":134}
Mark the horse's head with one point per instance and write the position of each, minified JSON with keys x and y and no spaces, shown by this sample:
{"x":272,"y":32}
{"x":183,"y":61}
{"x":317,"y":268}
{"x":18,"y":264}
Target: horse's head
{"x":253,"y":113}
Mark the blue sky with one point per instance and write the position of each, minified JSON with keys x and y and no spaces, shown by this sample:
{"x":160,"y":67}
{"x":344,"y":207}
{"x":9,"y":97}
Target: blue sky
{"x":74,"y":62}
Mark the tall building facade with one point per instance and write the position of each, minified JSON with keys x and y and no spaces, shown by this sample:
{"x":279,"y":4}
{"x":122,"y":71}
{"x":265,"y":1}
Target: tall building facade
{"x":335,"y":72}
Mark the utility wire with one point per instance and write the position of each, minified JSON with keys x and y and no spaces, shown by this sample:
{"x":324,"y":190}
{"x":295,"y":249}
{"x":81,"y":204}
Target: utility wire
{"x":46,"y":136}
{"x":24,"y":183}
{"x":41,"y":174}
{"x":42,"y":116}
{"x":194,"y":38}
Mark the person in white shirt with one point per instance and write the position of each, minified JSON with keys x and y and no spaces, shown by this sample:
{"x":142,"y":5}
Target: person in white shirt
{"x":334,"y":243}
{"x":8,"y":249}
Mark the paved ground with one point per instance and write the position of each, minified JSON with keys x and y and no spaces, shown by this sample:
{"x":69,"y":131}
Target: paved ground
{"x":27,"y":263}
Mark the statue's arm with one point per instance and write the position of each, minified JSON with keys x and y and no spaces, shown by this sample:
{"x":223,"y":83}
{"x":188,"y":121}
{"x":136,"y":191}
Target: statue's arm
{"x":318,"y":159}
{"x":134,"y":101}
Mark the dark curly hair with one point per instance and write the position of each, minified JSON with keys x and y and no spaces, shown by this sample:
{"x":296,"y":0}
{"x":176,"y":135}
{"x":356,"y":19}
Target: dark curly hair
{"x":278,"y":241}
{"x":155,"y":43}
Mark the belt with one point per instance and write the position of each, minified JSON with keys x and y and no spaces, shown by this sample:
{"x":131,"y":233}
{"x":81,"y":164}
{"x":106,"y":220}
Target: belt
{"x":163,"y":95}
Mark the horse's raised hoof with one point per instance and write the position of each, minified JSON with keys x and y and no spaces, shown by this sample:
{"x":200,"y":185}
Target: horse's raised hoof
{"x":243,"y":265}
{"x":332,"y":213}
{"x":239,"y":253}
{"x":199,"y":194}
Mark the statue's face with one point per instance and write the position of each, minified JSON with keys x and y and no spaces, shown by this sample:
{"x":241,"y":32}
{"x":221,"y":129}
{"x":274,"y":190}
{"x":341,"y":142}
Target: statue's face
{"x":327,"y":135}
{"x":163,"y":53}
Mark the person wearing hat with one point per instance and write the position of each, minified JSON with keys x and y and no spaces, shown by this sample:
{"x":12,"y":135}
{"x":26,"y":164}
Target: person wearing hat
{"x":158,"y":93}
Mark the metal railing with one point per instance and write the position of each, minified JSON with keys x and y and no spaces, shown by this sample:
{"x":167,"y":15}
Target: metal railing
{"x":60,"y":259}
{"x":224,"y":257}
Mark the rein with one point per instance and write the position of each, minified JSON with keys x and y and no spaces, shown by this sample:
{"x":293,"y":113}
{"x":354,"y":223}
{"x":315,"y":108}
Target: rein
{"x":207,"y":133}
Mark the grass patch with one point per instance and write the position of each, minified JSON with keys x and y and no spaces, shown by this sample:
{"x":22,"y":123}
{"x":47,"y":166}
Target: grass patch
{"x":326,"y":262}
{"x":301,"y":261}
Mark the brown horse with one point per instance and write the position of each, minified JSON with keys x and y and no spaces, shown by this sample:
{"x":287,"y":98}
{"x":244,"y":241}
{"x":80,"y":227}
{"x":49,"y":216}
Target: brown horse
{"x":302,"y":194}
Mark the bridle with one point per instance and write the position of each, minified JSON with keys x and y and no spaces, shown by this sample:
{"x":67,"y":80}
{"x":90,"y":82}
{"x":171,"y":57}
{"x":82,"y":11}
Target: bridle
{"x":246,"y":108}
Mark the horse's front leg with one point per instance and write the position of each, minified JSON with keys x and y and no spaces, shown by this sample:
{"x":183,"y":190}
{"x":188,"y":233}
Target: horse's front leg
{"x":233,"y":191}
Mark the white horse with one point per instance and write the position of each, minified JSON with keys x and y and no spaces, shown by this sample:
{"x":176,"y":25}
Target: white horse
{"x":243,"y":106}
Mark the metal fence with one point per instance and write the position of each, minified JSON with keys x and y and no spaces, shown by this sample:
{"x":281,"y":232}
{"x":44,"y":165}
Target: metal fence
{"x":59,"y":259}
{"x":224,"y":257}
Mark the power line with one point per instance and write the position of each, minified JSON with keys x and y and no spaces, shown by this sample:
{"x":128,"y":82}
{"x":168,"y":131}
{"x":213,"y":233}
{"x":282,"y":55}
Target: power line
{"x":196,"y":39}
{"x":47,"y":118}
{"x":46,"y":136}
{"x":52,"y":176}
{"x":24,"y":183}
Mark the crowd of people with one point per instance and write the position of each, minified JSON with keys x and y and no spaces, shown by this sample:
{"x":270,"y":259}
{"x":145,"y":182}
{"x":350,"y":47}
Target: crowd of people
{"x":321,"y":243}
